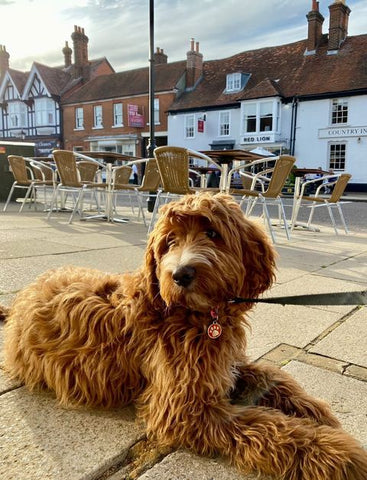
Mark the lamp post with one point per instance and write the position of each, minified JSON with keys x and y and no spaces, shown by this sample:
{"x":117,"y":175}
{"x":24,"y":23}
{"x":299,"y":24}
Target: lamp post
{"x":151,"y":145}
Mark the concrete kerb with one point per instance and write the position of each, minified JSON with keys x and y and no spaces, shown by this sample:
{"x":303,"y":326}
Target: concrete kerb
{"x":323,"y":348}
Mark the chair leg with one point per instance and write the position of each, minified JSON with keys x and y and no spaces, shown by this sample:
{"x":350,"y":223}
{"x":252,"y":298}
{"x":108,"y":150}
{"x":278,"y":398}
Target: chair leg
{"x":141,"y":207}
{"x":282,"y":213}
{"x":342,"y":217}
{"x":53,"y":201}
{"x":250,"y":205}
{"x":79,"y":201}
{"x":311,"y":214}
{"x":28,"y":193}
{"x":267,"y":218}
{"x":155,"y":210}
{"x":9,"y":196}
{"x":332,"y":217}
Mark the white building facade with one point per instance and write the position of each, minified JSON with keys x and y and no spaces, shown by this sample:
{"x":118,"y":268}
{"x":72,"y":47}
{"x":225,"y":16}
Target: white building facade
{"x":308,"y":99}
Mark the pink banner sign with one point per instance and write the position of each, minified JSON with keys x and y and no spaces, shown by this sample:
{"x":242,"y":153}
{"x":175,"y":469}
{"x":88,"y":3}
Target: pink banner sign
{"x":135,"y":116}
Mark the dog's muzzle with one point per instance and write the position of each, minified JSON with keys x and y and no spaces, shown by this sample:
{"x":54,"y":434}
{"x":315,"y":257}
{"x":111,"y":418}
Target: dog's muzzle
{"x":183,"y":276}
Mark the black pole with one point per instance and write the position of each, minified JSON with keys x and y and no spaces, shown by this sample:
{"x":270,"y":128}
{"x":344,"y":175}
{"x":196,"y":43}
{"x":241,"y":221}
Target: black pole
{"x":151,"y":145}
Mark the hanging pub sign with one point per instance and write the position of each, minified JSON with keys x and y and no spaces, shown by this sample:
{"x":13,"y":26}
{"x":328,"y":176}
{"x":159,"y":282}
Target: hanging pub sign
{"x":135,"y":116}
{"x":201,"y":123}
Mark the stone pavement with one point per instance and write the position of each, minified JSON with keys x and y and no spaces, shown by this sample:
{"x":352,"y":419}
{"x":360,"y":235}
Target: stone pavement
{"x":324,"y":348}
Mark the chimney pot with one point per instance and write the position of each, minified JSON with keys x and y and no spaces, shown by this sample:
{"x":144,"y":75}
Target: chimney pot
{"x":338,"y":26}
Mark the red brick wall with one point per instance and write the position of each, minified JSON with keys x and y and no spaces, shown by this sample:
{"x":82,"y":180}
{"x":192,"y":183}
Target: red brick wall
{"x":73,"y":138}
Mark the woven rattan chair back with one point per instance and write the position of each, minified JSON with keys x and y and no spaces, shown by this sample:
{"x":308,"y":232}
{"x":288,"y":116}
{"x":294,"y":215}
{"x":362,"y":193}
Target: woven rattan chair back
{"x":67,"y":168}
{"x":152,"y":178}
{"x":340,"y":187}
{"x":19,"y":169}
{"x":173,"y":166}
{"x":87,"y":170}
{"x":121,"y":176}
{"x":282,"y":169}
{"x":42,"y":172}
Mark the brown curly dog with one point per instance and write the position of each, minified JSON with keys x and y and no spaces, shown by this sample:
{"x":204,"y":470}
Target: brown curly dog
{"x":168,"y":338}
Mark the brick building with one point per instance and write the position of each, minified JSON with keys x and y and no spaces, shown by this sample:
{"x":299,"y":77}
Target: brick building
{"x":112,"y":112}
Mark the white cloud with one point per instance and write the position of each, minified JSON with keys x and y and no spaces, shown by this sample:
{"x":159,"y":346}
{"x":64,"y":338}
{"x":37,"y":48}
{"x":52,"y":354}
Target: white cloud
{"x":119,"y":29}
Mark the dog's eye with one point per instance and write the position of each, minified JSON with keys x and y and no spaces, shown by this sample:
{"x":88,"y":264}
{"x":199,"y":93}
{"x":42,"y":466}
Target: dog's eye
{"x":171,"y":240}
{"x":212,"y":234}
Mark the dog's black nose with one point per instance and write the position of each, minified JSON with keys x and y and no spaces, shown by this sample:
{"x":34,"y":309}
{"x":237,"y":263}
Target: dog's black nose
{"x":183,"y":276}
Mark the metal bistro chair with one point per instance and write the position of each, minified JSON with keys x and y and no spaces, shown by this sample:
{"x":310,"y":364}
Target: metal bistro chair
{"x":44,"y":173}
{"x":173,"y":166}
{"x":338,"y":184}
{"x":70,"y":181}
{"x":266,"y":186}
{"x":148,"y":187}
{"x":24,"y":179}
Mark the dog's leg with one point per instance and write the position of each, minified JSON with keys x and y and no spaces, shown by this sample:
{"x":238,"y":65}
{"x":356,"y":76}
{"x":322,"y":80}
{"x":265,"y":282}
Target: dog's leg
{"x":263,"y":440}
{"x":264,"y":385}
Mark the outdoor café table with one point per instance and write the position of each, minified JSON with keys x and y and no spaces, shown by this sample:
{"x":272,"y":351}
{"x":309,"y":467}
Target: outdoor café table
{"x":203,"y":171}
{"x":227,"y":157}
{"x":299,"y":174}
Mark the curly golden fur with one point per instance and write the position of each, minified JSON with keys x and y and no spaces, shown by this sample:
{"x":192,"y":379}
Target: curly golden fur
{"x":101,"y":339}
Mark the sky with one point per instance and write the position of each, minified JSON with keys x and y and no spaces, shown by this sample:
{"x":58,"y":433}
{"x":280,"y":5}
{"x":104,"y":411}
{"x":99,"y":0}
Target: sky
{"x":36,"y":30}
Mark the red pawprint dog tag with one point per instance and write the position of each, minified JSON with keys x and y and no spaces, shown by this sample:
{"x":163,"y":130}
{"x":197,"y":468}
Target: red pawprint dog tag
{"x":214,"y":329}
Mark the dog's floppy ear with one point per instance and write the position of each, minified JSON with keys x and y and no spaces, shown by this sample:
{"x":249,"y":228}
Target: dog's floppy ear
{"x":259,"y":259}
{"x":150,"y":265}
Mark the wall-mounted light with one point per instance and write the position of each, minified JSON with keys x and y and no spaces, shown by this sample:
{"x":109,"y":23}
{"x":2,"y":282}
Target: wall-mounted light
{"x":359,"y":139}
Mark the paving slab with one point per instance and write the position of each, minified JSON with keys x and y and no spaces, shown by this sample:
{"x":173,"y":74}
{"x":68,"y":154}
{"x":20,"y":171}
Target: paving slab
{"x":44,"y":441}
{"x":16,"y":273}
{"x":347,"y":342}
{"x":346,"y":396}
{"x":295,"y":325}
{"x":182,"y":465}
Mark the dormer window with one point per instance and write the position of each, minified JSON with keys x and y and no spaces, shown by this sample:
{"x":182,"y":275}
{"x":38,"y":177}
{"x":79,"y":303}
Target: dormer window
{"x":236,"y":81}
{"x":233,"y":82}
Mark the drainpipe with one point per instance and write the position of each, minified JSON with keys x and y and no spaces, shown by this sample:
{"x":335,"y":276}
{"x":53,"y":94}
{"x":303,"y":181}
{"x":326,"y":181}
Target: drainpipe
{"x":292,"y":141}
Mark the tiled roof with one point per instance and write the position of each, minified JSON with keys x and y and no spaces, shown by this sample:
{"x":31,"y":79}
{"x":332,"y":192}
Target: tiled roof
{"x":19,"y":79}
{"x":283,"y":70}
{"x":129,"y":83}
{"x":54,"y":79}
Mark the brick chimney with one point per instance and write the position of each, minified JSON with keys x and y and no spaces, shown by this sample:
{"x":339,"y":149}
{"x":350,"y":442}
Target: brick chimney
{"x":81,"y":61}
{"x":67,"y":51}
{"x":194,"y":65}
{"x":4,"y":60}
{"x":160,"y":57}
{"x":315,"y":21}
{"x":338,"y":27}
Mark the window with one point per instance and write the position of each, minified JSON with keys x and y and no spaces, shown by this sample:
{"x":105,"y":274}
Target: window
{"x":17,"y":114}
{"x":189,"y":126}
{"x":261,"y":117}
{"x":266,"y":117}
{"x":156,"y":111}
{"x":224,"y":123}
{"x":45,"y":111}
{"x":233,"y":82}
{"x":98,"y":116}
{"x":117,"y":114}
{"x":337,"y":153}
{"x":339,"y":111}
{"x":250,"y":117}
{"x":79,"y":118}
